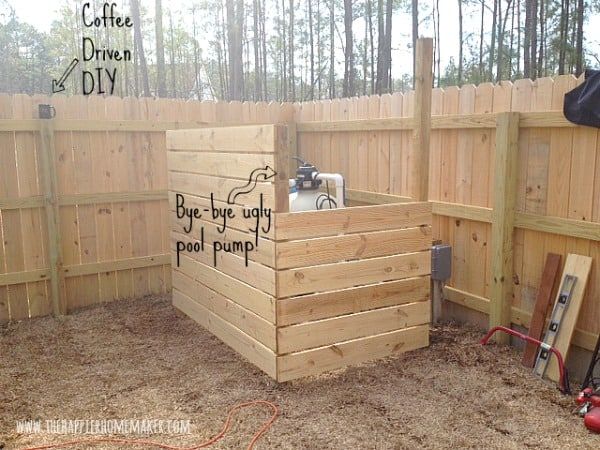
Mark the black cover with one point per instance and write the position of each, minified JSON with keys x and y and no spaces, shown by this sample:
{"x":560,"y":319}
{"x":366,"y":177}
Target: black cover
{"x":582,"y":104}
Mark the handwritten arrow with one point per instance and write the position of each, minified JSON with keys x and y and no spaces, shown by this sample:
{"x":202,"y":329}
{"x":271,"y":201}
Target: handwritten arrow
{"x":59,"y":86}
{"x":266,"y":172}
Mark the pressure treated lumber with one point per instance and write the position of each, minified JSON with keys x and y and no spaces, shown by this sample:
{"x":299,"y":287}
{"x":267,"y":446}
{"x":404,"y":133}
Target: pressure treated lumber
{"x":245,"y":320}
{"x":306,"y":280}
{"x":311,"y":224}
{"x":374,"y":198}
{"x":306,"y":308}
{"x":231,"y":165}
{"x":308,"y":335}
{"x":250,"y":139}
{"x":579,"y":266}
{"x":311,"y":362}
{"x":308,"y":252}
{"x":419,"y":170}
{"x":245,"y":295}
{"x":505,"y":186}
{"x":191,"y":183}
{"x":255,"y":352}
{"x":49,"y":180}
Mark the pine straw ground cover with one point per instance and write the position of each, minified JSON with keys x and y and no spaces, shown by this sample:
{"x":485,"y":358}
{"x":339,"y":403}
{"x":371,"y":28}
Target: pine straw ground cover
{"x":143,"y":359}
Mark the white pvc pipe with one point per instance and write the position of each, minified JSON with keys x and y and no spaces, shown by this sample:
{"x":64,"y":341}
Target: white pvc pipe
{"x":340,"y":193}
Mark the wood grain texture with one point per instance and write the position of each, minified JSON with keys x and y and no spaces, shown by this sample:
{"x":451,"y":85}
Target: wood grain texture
{"x":308,"y":335}
{"x":306,"y":280}
{"x":307,"y":308}
{"x":308,"y":252}
{"x":311,"y":362}
{"x":312,"y":224}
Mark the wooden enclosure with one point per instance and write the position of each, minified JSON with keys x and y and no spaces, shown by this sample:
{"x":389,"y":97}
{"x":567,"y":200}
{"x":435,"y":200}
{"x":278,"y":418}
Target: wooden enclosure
{"x":322,"y":289}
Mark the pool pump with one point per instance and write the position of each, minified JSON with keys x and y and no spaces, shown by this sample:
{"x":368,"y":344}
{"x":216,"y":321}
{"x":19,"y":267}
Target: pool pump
{"x":311,"y":190}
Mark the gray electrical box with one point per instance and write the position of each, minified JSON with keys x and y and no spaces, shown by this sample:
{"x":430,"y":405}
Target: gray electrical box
{"x":441,"y":262}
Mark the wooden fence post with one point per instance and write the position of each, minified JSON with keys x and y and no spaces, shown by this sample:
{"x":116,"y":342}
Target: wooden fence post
{"x":292,"y":148}
{"x":422,"y":120}
{"x":503,"y":218}
{"x":50,"y":186}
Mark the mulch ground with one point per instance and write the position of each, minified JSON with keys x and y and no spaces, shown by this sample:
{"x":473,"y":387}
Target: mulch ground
{"x":143,"y":359}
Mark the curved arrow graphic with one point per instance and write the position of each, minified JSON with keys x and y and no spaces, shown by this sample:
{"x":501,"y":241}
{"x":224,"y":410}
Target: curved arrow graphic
{"x":266,"y":172}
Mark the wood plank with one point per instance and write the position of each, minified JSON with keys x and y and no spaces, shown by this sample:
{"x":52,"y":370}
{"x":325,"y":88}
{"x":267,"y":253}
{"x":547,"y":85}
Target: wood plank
{"x":227,"y":309}
{"x":319,"y":333}
{"x":14,"y":258}
{"x":505,"y":185}
{"x":254,"y":274}
{"x":10,"y":125}
{"x":542,"y":304}
{"x":50,"y":183}
{"x":227,"y":165}
{"x":395,"y":123}
{"x":116,"y":265}
{"x":463,"y":121}
{"x":121,"y":211}
{"x":545,"y":119}
{"x":34,"y":201}
{"x":245,"y":295}
{"x":467,"y":299}
{"x":375,"y":198}
{"x":104,"y":149}
{"x":138,"y":164}
{"x":126,"y":126}
{"x":558,"y":225}
{"x":305,"y":308}
{"x":32,"y":220}
{"x":249,"y":348}
{"x":88,"y":286}
{"x":202,"y":185}
{"x":65,"y":143}
{"x":27,"y":276}
{"x":251,"y":139}
{"x":112,"y":197}
{"x":281,"y":167}
{"x":460,"y":211}
{"x":312,"y":224}
{"x":331,"y":249}
{"x":579,"y":266}
{"x":419,"y":164}
{"x":312,"y":362}
{"x":326,"y":277}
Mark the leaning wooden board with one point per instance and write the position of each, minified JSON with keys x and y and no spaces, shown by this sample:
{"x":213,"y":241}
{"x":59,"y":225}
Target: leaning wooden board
{"x":580,"y":267}
{"x":323,"y":290}
{"x":542,"y":305}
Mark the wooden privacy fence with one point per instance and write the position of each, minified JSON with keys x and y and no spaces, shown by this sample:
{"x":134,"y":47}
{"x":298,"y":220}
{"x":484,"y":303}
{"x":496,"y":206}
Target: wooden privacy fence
{"x":510,"y":179}
{"x":83,"y":203}
{"x":110,"y":183}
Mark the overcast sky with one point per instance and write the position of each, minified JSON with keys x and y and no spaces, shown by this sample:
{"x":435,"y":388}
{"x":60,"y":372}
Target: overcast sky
{"x":41,"y":14}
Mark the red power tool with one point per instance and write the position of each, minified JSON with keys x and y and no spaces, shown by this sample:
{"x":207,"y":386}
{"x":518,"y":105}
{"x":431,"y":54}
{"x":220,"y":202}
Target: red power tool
{"x":590,"y":408}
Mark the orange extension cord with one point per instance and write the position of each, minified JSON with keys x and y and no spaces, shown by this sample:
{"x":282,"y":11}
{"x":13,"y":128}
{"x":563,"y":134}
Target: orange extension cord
{"x":149,"y":443}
